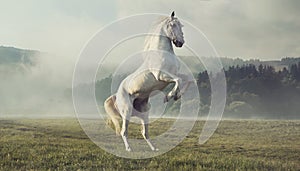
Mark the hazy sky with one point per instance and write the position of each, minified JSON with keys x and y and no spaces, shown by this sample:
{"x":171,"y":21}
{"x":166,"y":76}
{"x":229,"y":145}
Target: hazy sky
{"x":267,"y":29}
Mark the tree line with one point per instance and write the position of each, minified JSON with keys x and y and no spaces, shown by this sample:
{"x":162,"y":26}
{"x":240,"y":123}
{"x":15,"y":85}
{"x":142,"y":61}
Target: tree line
{"x":252,"y":91}
{"x":257,"y":92}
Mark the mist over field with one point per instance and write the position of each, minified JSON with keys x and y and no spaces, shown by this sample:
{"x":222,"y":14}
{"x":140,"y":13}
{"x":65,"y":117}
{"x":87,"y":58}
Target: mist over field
{"x":39,"y":84}
{"x":34,"y":83}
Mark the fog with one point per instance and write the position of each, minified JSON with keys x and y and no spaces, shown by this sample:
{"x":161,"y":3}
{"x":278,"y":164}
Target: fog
{"x":38,"y":90}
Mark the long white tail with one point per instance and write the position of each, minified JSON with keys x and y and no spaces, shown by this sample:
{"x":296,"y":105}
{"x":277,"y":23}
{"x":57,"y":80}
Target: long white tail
{"x":114,"y":115}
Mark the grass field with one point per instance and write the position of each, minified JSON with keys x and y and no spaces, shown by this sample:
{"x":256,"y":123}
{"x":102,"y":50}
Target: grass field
{"x":60,"y":144}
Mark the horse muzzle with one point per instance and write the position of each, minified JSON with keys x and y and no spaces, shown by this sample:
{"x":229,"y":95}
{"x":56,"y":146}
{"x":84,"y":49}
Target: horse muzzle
{"x":177,"y":43}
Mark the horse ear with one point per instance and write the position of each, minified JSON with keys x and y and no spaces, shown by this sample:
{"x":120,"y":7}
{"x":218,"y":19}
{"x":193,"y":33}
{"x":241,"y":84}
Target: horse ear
{"x":173,"y":14}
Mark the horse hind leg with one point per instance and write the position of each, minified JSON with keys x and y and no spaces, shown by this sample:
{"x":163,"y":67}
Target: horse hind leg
{"x":126,"y":113}
{"x":124,"y":103}
{"x":114,"y":115}
{"x":124,"y":133}
{"x":145,"y":107}
{"x":145,"y":133}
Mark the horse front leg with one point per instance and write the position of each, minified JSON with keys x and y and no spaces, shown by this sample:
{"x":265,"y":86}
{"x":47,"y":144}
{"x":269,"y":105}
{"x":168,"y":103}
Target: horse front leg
{"x":186,"y":81}
{"x":181,"y":81}
{"x":173,"y":93}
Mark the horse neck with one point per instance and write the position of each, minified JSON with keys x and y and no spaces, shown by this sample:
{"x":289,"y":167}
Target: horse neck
{"x":159,"y":41}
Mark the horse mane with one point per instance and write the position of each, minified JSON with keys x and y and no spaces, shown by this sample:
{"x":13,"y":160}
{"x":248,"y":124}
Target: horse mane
{"x":155,"y":27}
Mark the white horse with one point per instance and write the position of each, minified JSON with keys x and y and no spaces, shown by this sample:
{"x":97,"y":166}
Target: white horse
{"x":159,"y":69}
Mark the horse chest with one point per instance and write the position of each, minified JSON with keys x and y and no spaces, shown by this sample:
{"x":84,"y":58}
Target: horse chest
{"x":170,"y":64}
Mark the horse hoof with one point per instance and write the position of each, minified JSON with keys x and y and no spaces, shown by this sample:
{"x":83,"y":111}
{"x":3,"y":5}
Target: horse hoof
{"x":128,"y":149}
{"x":166,"y":99}
{"x":176,"y":98}
{"x":156,"y":149}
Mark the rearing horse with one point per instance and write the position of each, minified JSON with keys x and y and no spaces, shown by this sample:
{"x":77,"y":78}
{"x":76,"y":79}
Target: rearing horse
{"x":159,"y":69}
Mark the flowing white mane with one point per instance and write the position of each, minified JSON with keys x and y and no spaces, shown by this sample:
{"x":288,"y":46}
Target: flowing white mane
{"x":160,"y":31}
{"x":155,"y":31}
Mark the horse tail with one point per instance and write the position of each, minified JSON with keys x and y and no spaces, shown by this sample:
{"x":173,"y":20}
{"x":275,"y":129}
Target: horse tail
{"x":113,"y":113}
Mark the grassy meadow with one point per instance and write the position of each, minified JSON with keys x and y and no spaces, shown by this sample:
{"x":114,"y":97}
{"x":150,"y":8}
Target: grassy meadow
{"x":60,"y":144}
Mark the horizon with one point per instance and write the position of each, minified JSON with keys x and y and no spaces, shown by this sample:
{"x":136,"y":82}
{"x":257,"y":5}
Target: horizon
{"x":229,"y":57}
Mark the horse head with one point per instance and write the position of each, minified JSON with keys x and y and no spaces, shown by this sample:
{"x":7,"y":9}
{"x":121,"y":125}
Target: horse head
{"x":174,"y":30}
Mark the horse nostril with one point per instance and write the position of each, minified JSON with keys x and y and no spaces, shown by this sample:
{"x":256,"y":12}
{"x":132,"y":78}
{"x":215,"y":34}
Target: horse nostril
{"x":175,"y":41}
{"x":180,"y":44}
